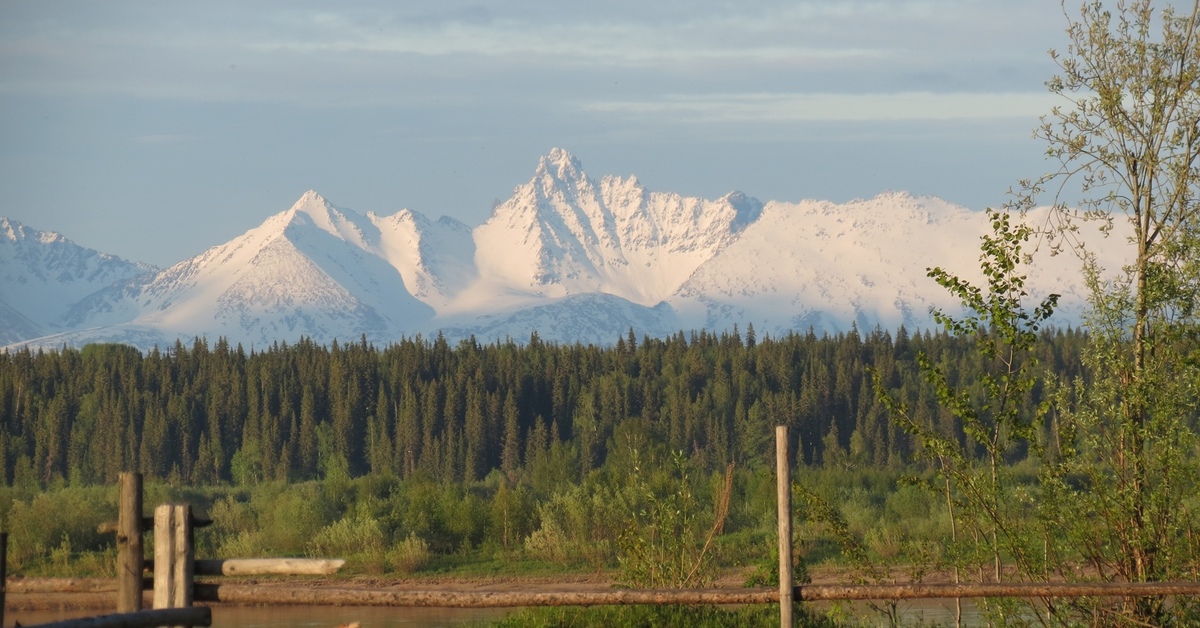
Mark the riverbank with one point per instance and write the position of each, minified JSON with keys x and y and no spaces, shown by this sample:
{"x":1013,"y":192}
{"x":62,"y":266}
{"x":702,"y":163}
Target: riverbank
{"x":100,"y":593}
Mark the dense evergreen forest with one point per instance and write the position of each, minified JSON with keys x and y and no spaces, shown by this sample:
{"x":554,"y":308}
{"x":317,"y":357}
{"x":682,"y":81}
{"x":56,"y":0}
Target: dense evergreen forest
{"x":218,"y":414}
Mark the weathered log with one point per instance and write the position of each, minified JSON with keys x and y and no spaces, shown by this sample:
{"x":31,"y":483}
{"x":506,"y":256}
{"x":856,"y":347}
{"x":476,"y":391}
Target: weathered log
{"x":809,"y":592}
{"x":269,"y":566}
{"x":195,"y":616}
{"x":813,"y":592}
{"x":315,"y":596}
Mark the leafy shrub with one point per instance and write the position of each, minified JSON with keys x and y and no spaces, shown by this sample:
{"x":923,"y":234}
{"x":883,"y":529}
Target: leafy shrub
{"x":291,"y":519}
{"x":356,"y":537}
{"x":409,"y":555}
{"x":244,"y":544}
{"x":63,"y":521}
{"x":548,"y":543}
{"x":668,"y":537}
{"x":579,"y":525}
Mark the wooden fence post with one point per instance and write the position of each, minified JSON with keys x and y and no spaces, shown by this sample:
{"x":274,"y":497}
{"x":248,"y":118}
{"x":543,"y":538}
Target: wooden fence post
{"x":3,"y":573}
{"x":130,"y":559}
{"x":185,"y":556}
{"x":174,"y":558}
{"x":783,"y":491}
{"x":164,"y":555}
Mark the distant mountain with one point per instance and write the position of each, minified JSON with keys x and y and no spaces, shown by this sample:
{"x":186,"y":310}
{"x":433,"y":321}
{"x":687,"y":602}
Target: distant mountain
{"x":568,"y":257}
{"x":820,"y":265}
{"x":563,"y":234}
{"x":313,"y":270}
{"x":42,"y":274}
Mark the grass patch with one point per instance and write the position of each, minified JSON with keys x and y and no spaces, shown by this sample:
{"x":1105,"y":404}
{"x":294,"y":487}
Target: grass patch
{"x":485,"y":563}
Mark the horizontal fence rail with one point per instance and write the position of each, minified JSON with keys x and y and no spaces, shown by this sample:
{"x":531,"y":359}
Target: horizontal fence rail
{"x":823,"y":592}
{"x":315,"y":595}
{"x":319,"y":596}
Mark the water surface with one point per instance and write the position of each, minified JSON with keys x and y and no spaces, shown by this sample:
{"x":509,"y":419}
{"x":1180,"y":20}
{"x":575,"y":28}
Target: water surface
{"x":312,"y":616}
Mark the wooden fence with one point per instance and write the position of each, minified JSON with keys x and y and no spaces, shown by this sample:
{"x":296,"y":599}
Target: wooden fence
{"x":174,"y":567}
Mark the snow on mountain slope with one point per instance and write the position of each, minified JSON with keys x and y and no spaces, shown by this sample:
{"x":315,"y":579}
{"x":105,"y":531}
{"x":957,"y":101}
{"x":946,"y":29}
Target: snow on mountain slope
{"x":821,"y":265}
{"x":43,"y":273}
{"x":825,"y":266}
{"x":594,"y":318}
{"x":563,"y":234}
{"x":15,"y":326}
{"x":308,"y":271}
{"x":569,"y":257}
{"x":435,"y":259}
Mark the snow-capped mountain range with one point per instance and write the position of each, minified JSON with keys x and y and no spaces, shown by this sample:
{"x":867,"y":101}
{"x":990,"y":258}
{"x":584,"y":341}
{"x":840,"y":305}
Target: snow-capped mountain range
{"x":567,"y":256}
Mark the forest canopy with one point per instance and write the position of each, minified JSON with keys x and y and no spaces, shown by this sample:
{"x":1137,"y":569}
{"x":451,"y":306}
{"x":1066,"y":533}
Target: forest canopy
{"x":204,"y":414}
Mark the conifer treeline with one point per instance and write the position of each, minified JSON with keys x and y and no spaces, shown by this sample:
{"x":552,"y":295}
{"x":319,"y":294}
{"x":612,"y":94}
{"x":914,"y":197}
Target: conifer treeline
{"x":216,"y":414}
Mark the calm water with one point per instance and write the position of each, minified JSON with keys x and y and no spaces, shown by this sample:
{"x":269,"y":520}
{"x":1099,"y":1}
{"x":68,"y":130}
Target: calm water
{"x":929,"y":612}
{"x":920,"y":612}
{"x":314,"y":616}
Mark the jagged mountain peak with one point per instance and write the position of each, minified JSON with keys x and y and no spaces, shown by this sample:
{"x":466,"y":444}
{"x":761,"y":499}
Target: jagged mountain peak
{"x":564,"y":234}
{"x":311,"y":196}
{"x":560,"y":166}
{"x":16,"y":231}
{"x":314,"y":210}
{"x":19,"y":234}
{"x":559,"y":160}
{"x":314,"y":205}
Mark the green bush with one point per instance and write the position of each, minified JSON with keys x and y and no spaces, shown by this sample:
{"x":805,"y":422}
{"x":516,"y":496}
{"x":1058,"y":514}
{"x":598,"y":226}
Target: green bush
{"x":409,"y":556}
{"x":356,"y":537}
{"x":62,"y":521}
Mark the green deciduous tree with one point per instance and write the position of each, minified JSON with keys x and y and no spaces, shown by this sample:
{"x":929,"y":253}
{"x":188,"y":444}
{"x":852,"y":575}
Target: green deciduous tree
{"x":993,"y":527}
{"x":1116,"y":493}
{"x":1128,"y":143}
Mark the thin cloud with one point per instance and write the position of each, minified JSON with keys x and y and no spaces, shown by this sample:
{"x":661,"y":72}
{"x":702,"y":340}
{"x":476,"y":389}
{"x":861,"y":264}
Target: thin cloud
{"x":821,"y":107}
{"x":598,"y":43}
{"x":377,"y":53}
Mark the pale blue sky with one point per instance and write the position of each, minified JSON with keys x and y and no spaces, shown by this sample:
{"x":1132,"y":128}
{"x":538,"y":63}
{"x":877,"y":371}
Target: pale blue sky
{"x":154,"y":130}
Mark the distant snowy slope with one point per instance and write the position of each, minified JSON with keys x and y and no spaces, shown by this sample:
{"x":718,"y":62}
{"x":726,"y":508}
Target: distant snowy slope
{"x":42,"y":274}
{"x":434,"y":258}
{"x":824,"y":266}
{"x":592,"y":318}
{"x":820,"y":265}
{"x":307,"y":271}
